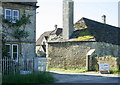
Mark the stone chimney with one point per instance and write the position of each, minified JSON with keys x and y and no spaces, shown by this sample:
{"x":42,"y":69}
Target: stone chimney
{"x":68,"y":13}
{"x":104,"y":19}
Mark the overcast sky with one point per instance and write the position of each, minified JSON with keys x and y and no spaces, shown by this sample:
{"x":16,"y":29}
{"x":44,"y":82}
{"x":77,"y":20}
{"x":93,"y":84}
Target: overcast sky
{"x":50,"y":13}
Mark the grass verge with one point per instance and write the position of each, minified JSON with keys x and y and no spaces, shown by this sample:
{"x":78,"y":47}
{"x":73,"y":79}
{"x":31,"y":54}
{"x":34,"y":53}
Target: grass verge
{"x":67,"y":70}
{"x":114,"y":71}
{"x":41,"y":77}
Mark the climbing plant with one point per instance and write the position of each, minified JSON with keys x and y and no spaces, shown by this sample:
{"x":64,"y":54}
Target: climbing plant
{"x":18,"y":30}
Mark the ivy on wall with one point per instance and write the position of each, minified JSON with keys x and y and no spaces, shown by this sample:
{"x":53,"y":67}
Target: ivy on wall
{"x":17,"y":29}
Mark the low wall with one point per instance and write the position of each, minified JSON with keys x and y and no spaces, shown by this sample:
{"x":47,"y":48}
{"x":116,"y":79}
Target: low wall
{"x":69,"y":55}
{"x":114,"y":62}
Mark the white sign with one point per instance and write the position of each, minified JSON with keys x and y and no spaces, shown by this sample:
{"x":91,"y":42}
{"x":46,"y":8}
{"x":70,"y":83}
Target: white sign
{"x":104,"y":67}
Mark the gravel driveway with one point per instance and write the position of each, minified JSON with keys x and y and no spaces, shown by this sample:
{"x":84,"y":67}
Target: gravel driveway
{"x":83,"y":78}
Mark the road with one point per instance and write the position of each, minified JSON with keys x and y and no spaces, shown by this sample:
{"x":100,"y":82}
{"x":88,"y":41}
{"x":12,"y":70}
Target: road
{"x":83,"y":78}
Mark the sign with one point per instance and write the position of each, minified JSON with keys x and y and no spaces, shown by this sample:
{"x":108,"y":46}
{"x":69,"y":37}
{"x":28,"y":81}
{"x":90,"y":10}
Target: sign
{"x":104,"y":67}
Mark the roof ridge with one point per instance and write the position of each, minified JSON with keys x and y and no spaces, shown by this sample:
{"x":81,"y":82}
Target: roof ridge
{"x":99,"y":22}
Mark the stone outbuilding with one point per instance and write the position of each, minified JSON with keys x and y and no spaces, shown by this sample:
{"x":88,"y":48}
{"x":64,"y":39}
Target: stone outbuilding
{"x":88,"y":35}
{"x":85,"y":44}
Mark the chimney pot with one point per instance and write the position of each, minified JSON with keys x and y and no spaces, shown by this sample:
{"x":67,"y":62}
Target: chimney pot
{"x":55,"y":26}
{"x":104,"y":19}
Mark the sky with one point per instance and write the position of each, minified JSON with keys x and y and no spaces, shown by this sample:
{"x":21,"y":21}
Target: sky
{"x":50,"y":13}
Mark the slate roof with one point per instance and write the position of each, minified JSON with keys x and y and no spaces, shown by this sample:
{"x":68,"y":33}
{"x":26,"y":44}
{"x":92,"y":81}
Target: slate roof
{"x":46,"y":35}
{"x":102,"y":32}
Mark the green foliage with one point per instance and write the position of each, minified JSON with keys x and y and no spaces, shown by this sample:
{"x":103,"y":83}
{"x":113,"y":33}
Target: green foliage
{"x":18,"y":34}
{"x":23,"y":21}
{"x":110,"y":56}
{"x":68,"y":70}
{"x":18,"y":29}
{"x":38,"y":77}
{"x":115,"y":71}
{"x":41,"y":54}
{"x":84,"y":32}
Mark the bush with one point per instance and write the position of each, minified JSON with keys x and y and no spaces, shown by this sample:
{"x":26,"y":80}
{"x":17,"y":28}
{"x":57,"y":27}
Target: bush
{"x":115,"y":71}
{"x":41,"y":54}
{"x":41,"y":77}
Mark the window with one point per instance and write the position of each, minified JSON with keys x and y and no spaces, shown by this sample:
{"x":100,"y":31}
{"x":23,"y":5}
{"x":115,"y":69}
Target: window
{"x":15,"y":51}
{"x":8,"y":14}
{"x":12,"y":51}
{"x":15,"y":15}
{"x":8,"y":49}
{"x":12,"y":15}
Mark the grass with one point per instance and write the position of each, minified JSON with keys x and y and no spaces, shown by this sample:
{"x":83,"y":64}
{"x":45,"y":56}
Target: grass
{"x":114,"y":71}
{"x":42,"y":77}
{"x":67,"y":70}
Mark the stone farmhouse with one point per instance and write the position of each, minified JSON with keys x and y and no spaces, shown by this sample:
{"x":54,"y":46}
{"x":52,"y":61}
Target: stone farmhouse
{"x":13,"y":11}
{"x":83,"y":45}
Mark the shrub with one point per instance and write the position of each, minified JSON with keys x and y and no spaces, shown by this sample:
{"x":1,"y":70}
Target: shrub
{"x":41,"y":54}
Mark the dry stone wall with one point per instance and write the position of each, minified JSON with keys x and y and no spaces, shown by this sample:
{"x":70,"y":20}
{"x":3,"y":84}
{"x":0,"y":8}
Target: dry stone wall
{"x":72,"y":55}
{"x":113,"y":61}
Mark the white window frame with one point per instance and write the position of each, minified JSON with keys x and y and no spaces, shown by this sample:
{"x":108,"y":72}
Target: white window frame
{"x":15,"y":16}
{"x":13,"y":52}
{"x":6,"y":13}
{"x":12,"y":14}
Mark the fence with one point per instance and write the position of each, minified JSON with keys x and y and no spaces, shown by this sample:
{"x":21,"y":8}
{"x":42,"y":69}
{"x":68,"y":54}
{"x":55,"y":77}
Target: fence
{"x":22,"y":66}
{"x":9,"y":66}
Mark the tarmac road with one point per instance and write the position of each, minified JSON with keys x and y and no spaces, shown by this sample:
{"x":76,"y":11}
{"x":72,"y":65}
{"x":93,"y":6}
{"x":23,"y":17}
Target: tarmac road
{"x":84,"y":78}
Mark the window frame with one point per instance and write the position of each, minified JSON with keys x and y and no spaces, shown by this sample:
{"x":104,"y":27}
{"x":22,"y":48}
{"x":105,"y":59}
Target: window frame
{"x":12,"y":14}
{"x":6,"y":13}
{"x":13,"y":52}
{"x":15,"y":16}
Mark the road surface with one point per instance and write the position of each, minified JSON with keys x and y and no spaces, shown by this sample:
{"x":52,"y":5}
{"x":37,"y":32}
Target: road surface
{"x":84,"y":78}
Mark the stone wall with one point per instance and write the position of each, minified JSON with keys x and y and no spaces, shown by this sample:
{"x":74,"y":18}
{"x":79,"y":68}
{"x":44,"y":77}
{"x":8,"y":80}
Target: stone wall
{"x":73,"y":54}
{"x":28,"y":44}
{"x":30,"y":28}
{"x":113,"y":61}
